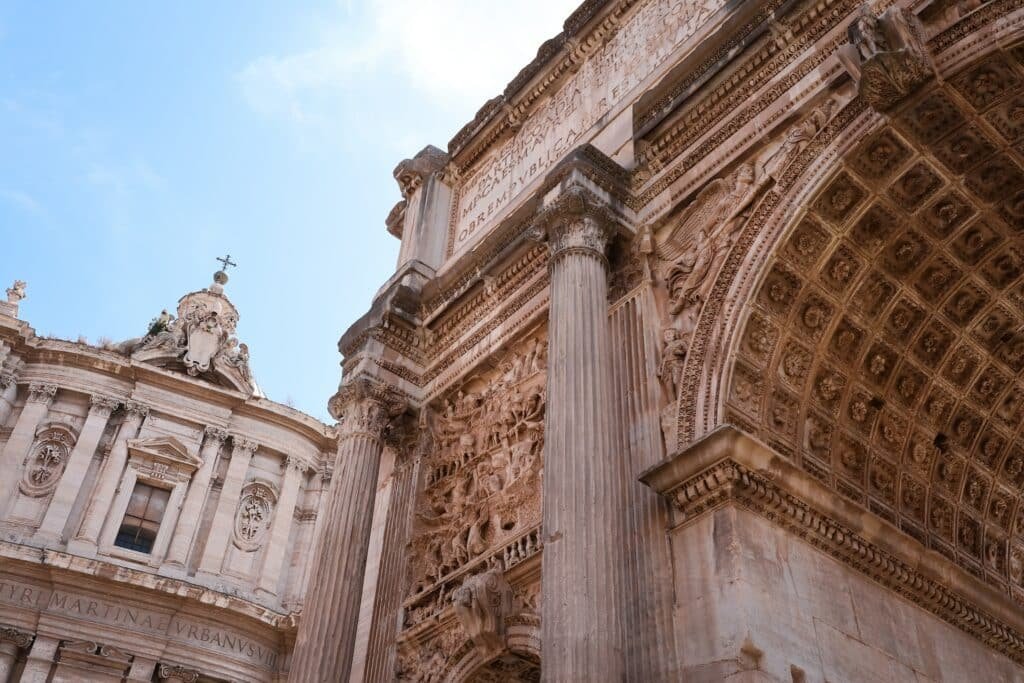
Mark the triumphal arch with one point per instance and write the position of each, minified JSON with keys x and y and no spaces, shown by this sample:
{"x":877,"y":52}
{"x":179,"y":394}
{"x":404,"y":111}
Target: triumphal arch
{"x":702,"y":361}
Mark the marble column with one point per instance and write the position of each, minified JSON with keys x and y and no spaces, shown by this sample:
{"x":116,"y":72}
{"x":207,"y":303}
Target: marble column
{"x":227,"y":505}
{"x":585,"y":476}
{"x":173,"y":673}
{"x":40,"y":660}
{"x":40,"y":396}
{"x":110,"y":476}
{"x":11,"y":641}
{"x":281,"y":525}
{"x":192,"y":508}
{"x":52,"y":527}
{"x":323,"y":650}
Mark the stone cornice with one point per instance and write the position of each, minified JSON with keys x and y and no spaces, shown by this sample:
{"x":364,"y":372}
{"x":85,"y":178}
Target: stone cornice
{"x":729,"y":467}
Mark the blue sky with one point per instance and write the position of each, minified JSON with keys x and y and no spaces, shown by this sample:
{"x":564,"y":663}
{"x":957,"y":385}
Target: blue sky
{"x":140,"y":140}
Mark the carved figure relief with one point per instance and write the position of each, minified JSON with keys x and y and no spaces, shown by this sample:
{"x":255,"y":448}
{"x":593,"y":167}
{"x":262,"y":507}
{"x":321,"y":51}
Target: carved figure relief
{"x":200,"y":340}
{"x":46,"y":461}
{"x":886,"y":55}
{"x":481,"y":604}
{"x":252,"y":519}
{"x":482,"y":478}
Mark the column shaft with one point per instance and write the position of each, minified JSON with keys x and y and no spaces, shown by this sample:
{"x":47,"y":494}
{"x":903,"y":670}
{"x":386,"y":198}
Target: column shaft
{"x":192,"y":508}
{"x":40,"y":660}
{"x":281,"y":526}
{"x":67,"y":490}
{"x":103,"y":494}
{"x":323,"y":650}
{"x":220,"y":530}
{"x":584,"y":508}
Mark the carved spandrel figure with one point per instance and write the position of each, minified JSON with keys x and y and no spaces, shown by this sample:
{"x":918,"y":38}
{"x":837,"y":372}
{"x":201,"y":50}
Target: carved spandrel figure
{"x":673,"y":360}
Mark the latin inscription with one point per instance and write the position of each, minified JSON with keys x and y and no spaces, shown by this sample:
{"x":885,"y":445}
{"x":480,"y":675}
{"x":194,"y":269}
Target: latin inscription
{"x":560,"y":122}
{"x":142,"y":621}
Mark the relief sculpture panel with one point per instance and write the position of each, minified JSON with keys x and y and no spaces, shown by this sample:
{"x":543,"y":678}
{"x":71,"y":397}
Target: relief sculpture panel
{"x":480,"y":503}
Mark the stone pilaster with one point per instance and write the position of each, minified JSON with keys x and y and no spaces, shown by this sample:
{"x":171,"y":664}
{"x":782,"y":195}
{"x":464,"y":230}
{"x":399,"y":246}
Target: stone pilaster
{"x":188,"y":522}
{"x":174,"y":673}
{"x":281,"y":525}
{"x":103,"y":494}
{"x":11,"y":641}
{"x":227,"y":505}
{"x":37,"y":405}
{"x":584,"y":509}
{"x":40,"y":660}
{"x":323,"y":650}
{"x":52,"y":527}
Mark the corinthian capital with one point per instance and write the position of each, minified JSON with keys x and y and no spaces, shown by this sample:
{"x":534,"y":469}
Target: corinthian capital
{"x":136,"y":410}
{"x":215,"y":434}
{"x":365,"y":407}
{"x":576,"y":221}
{"x":41,"y":393}
{"x":103,"y":405}
{"x":243,"y":444}
{"x":20,"y":639}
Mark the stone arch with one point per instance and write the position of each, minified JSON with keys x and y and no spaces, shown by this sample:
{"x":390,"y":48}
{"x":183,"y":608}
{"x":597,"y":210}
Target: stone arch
{"x":523,"y":646}
{"x":869,"y":325}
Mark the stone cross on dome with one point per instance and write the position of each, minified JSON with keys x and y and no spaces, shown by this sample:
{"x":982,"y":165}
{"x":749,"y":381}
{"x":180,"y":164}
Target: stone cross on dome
{"x":220,"y":278}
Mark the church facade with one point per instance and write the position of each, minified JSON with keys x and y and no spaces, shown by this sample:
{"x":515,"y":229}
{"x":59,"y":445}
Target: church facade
{"x":156,"y":512}
{"x":703,"y":360}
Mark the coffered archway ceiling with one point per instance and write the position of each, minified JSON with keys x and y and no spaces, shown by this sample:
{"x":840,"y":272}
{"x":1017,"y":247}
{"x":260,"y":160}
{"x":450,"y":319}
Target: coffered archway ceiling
{"x":884,"y":348}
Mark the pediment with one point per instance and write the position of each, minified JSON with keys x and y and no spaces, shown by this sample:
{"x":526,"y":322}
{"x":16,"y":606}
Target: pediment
{"x":167,"y":450}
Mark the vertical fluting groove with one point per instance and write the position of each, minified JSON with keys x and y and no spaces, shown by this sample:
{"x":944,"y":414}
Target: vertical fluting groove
{"x":583,"y":613}
{"x":323,"y":650}
{"x":651,"y":652}
{"x":384,"y":628}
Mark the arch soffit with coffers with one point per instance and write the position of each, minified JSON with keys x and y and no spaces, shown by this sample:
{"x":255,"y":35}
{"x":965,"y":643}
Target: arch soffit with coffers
{"x":523,"y":643}
{"x":939,"y":479}
{"x":708,"y":370}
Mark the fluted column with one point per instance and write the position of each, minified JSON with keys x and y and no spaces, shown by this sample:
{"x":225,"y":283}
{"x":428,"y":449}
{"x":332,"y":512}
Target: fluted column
{"x":52,"y":527}
{"x":323,"y":650}
{"x":584,"y":509}
{"x":37,"y":405}
{"x":281,"y":525}
{"x":227,"y":505}
{"x":11,"y":640}
{"x":103,"y":493}
{"x":192,"y":508}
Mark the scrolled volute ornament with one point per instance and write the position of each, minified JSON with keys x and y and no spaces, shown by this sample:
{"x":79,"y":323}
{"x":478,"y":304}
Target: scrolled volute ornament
{"x":175,"y":673}
{"x":20,"y":639}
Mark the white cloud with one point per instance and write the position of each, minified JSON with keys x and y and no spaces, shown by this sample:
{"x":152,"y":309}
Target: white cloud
{"x":458,"y":53}
{"x":22,"y":200}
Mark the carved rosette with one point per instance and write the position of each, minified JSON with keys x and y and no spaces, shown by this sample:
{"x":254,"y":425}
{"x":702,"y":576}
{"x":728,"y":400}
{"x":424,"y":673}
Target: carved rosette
{"x":577,"y":222}
{"x":47,"y":460}
{"x":20,"y":639}
{"x":41,"y":393}
{"x":365,"y":408}
{"x":175,"y":673}
{"x":252,"y":519}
